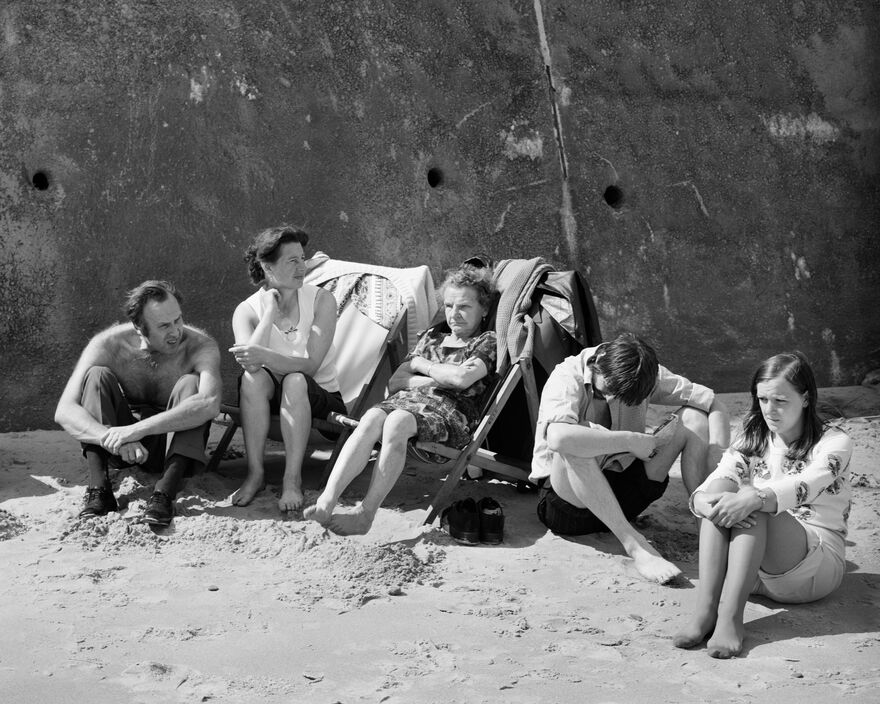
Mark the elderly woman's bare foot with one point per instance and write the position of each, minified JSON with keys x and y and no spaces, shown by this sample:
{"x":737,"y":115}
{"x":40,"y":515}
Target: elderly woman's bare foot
{"x":318,"y":513}
{"x":291,"y":498}
{"x":652,"y":567}
{"x":726,"y":641}
{"x":252,"y":486}
{"x":696,"y":630}
{"x":355,"y":522}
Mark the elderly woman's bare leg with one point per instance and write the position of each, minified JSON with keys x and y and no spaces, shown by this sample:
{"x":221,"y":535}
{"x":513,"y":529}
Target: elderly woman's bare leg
{"x":296,"y":422}
{"x":399,"y":427}
{"x":255,"y":391}
{"x":351,"y":462}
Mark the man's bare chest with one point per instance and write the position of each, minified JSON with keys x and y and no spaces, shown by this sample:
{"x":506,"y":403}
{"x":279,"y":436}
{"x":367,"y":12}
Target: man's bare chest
{"x":147,"y":381}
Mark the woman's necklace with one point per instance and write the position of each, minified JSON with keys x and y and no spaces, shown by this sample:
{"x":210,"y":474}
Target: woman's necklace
{"x":285,"y":323}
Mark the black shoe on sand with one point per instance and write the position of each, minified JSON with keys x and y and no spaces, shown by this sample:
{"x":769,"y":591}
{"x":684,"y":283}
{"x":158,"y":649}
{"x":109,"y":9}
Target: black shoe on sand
{"x":159,"y":509}
{"x":491,"y":521}
{"x":99,"y":502}
{"x":463,"y":522}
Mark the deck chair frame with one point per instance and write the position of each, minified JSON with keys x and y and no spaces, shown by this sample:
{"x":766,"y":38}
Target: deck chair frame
{"x":474,"y":453}
{"x":230,"y":414}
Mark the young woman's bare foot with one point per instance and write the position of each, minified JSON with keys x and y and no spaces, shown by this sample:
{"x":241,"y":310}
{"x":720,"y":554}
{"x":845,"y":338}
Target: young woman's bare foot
{"x":651,"y":566}
{"x":696,"y":630}
{"x":252,"y":486}
{"x":726,"y":641}
{"x":318,"y":513}
{"x":291,"y":498}
{"x":355,"y":522}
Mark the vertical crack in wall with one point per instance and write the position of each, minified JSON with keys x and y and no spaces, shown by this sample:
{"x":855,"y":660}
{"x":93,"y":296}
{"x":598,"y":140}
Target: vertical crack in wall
{"x":569,"y":223}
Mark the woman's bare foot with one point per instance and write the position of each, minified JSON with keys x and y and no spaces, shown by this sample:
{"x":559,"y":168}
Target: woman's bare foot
{"x":726,"y":641}
{"x":318,"y":513}
{"x":355,"y":522}
{"x":695,"y":632}
{"x":651,"y":566}
{"x":291,"y":498}
{"x":252,"y":486}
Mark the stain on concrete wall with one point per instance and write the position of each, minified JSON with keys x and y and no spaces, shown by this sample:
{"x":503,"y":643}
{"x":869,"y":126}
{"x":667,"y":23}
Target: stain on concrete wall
{"x":713,"y":174}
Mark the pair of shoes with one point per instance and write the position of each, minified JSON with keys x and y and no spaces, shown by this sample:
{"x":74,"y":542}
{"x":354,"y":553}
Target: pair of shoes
{"x":462,"y":521}
{"x":491,"y":521}
{"x":99,"y":502}
{"x":470,"y":522}
{"x":159,"y":509}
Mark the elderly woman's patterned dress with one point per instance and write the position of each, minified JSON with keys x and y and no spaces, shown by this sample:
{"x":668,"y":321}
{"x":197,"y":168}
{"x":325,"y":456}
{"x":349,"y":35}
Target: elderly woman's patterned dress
{"x":447,"y":415}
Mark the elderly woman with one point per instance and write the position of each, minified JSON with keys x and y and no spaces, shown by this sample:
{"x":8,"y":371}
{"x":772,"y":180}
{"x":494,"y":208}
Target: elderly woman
{"x":284,"y":344}
{"x":436,"y":395}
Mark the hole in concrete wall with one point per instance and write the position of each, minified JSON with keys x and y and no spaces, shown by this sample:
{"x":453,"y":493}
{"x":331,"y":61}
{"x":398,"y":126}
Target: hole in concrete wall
{"x":435,"y":177}
{"x":613,"y":196}
{"x":40,"y":180}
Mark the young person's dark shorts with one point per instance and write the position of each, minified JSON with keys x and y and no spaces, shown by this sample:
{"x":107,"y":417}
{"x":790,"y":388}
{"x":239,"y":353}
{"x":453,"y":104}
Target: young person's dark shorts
{"x":632,"y":488}
{"x":321,"y":401}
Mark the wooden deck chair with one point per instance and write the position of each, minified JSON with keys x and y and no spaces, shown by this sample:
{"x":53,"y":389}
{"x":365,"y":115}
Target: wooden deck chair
{"x":474,"y":453}
{"x":366,"y":355}
{"x":542,"y":317}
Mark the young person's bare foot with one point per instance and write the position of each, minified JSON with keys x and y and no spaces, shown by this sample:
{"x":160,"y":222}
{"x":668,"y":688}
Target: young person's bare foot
{"x":356,"y":522}
{"x":726,"y":641}
{"x":695,"y":632}
{"x":252,"y":486}
{"x":291,"y":498}
{"x":318,"y":513}
{"x":651,"y":566}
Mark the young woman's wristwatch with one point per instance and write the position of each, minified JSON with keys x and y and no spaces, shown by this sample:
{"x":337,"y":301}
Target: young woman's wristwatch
{"x":761,"y":494}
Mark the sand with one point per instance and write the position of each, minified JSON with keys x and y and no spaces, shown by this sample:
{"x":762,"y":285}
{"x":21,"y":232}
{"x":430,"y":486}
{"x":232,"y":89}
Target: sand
{"x":240,"y":605}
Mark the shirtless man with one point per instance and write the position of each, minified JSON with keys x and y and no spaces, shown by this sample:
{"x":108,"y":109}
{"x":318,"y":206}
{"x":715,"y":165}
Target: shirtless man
{"x":143,"y":392}
{"x":597,"y":466}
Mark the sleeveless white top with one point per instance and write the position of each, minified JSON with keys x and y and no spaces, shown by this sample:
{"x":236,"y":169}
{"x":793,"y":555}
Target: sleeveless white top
{"x":295,"y":343}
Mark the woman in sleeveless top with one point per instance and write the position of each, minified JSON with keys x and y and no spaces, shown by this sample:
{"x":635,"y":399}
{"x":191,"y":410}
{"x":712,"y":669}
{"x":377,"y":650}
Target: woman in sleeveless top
{"x":284,"y":344}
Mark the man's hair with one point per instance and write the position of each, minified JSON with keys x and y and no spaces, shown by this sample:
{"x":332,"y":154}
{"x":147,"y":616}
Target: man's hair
{"x":479,"y":278}
{"x":266,"y":248}
{"x":796,"y":370}
{"x":629,"y":366}
{"x":140,"y":295}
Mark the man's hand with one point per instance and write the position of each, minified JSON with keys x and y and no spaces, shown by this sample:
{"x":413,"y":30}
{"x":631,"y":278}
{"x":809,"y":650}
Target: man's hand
{"x":116,"y":437}
{"x":133,"y":453}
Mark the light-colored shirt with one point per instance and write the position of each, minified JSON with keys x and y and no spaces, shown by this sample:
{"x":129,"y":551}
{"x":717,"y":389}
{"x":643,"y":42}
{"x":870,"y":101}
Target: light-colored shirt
{"x":567,"y":397}
{"x":816,"y":491}
{"x":295,"y":343}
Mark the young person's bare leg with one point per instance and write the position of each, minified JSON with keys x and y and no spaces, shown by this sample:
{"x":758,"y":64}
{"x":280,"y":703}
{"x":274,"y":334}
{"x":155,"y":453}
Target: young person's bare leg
{"x":744,"y":555}
{"x":714,"y":546}
{"x":581,"y":483}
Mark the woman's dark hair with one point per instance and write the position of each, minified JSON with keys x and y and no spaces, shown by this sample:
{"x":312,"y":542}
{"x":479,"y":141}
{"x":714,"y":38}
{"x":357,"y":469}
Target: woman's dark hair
{"x":795,"y":369}
{"x":140,"y":295}
{"x":265,"y":248}
{"x":629,"y":366}
{"x":477,"y":278}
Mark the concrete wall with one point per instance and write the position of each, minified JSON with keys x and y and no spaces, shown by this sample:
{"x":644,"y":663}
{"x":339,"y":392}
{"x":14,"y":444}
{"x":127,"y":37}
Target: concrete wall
{"x":713,"y":173}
